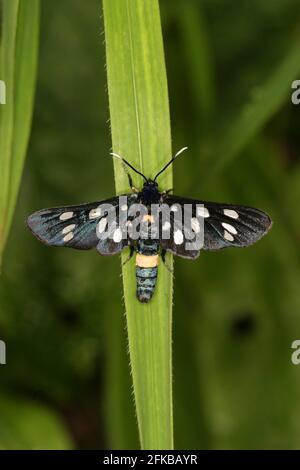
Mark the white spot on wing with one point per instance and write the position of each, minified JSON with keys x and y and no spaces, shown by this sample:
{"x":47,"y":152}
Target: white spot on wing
{"x":124,"y":207}
{"x":68,"y":237}
{"x":102,"y":225}
{"x":68,"y":229}
{"x":66,"y":215}
{"x":202,"y":212}
{"x":166,"y":226}
{"x":178,"y":237}
{"x":174,"y":208}
{"x":117,"y":237}
{"x":228,"y":236}
{"x":231,"y":213}
{"x":95,"y":213}
{"x":195,"y":225}
{"x":229,"y":227}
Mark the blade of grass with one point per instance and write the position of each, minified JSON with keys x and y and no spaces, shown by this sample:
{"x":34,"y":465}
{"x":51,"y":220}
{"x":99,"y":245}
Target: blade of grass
{"x":140,"y":125}
{"x":119,"y":408}
{"x":198,"y":57}
{"x":18,"y":59}
{"x":9,"y":10}
{"x":264,"y":102}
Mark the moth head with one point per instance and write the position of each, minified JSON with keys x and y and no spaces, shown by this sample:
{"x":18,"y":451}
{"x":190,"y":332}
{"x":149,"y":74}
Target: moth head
{"x":151,"y":183}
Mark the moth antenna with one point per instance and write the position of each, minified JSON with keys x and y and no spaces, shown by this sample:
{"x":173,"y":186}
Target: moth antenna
{"x":116,"y":155}
{"x":179,"y":152}
{"x":171,"y":161}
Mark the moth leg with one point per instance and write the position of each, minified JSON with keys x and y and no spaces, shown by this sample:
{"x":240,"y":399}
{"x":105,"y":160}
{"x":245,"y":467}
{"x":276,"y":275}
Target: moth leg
{"x":133,"y":188}
{"x":131,"y":252}
{"x":163,"y":257}
{"x":168,"y":191}
{"x":130,"y":180}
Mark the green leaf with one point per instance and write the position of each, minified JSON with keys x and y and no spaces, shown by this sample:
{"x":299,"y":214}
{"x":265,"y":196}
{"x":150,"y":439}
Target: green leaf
{"x":119,"y":408}
{"x":27,"y":425}
{"x":140,"y":126}
{"x":264,"y":102}
{"x":18,"y":60}
{"x":198,"y":58}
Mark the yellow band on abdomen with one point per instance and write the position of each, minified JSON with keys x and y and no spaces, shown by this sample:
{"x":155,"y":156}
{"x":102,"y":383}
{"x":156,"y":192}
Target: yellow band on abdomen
{"x":144,"y":261}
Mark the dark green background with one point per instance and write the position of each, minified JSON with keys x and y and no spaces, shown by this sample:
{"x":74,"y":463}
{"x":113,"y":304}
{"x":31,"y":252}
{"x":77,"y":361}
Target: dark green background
{"x":236,"y":312}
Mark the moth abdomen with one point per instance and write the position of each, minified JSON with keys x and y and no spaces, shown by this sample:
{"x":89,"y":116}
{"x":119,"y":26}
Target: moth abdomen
{"x":146,"y":275}
{"x":146,"y":280}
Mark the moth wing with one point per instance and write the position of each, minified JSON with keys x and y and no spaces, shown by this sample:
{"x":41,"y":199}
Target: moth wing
{"x":176,"y":236}
{"x":80,"y":227}
{"x":224,"y":225}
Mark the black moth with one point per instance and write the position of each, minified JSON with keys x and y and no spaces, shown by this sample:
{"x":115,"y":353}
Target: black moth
{"x":87,"y":226}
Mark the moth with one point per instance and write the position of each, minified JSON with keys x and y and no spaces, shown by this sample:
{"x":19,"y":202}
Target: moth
{"x":150,"y":223}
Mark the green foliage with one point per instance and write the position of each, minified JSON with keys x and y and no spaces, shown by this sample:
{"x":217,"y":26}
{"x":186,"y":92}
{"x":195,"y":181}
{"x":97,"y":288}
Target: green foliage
{"x":139,"y":115}
{"x":28,"y":426}
{"x":18,"y":57}
{"x":265,"y":101}
{"x":236,"y":312}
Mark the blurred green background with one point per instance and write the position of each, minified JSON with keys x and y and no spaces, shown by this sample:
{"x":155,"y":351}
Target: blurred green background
{"x":236,"y":312}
